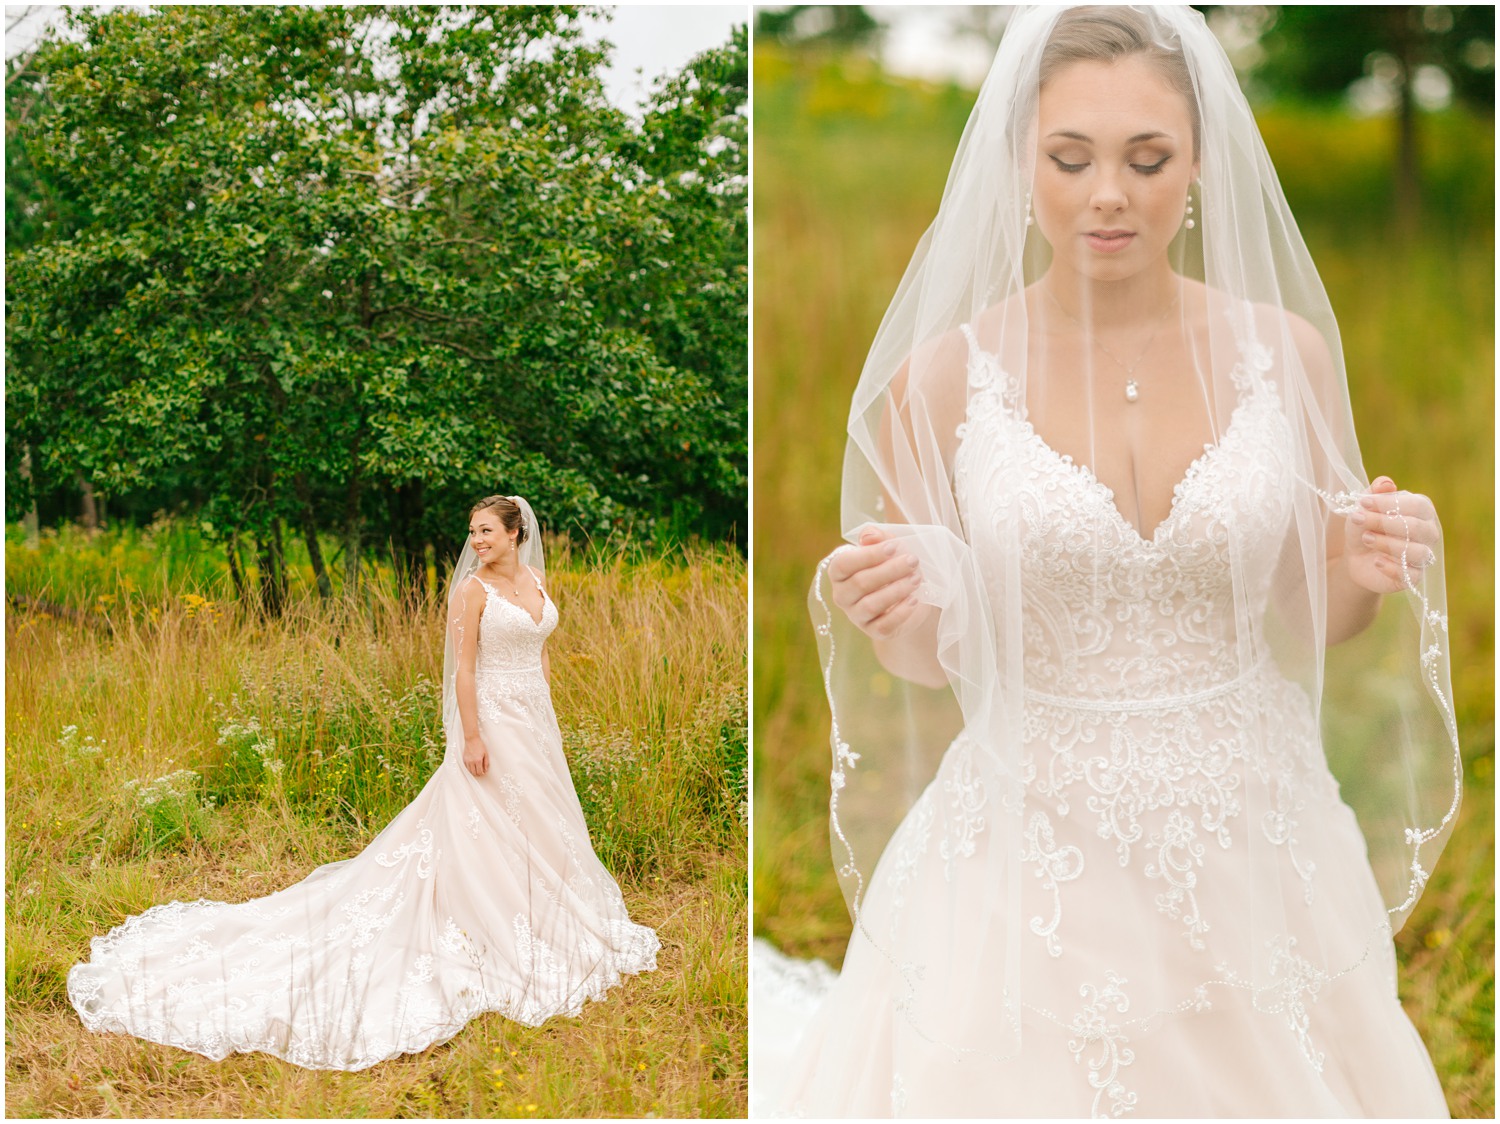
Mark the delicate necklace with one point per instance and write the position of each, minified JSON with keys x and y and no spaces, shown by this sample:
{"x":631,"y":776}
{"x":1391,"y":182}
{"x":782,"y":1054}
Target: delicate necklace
{"x":1132,"y":388}
{"x":515,"y":590}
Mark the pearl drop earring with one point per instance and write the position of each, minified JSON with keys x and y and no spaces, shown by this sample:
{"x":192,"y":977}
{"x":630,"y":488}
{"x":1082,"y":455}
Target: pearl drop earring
{"x":1190,"y":223}
{"x":1029,"y":220}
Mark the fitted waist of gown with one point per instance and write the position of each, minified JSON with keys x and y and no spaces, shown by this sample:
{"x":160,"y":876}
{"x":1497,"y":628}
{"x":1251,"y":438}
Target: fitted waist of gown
{"x":508,"y":681}
{"x":1131,"y":698}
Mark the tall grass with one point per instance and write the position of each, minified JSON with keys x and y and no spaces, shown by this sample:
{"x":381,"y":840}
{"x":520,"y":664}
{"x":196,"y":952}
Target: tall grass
{"x":182,"y":747}
{"x":849,"y":168}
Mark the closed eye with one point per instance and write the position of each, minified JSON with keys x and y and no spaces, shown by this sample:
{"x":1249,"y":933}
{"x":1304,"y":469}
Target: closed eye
{"x":1151,"y":169}
{"x":1066,"y":167}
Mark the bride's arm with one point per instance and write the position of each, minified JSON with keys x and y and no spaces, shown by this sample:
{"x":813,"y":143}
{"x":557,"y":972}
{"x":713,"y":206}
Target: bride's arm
{"x":1367,"y":549}
{"x":875,"y":582}
{"x":465,"y":628}
{"x":1351,"y":607}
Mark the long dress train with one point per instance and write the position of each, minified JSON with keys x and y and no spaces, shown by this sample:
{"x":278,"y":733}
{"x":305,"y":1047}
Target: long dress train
{"x":483,"y":894}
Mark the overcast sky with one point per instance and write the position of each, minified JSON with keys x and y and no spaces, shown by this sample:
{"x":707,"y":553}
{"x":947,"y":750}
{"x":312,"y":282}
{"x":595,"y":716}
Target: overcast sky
{"x":649,"y":38}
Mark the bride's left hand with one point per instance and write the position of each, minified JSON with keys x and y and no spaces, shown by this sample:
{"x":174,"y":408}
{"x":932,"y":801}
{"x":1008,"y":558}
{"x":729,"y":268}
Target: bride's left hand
{"x":1389,"y":524}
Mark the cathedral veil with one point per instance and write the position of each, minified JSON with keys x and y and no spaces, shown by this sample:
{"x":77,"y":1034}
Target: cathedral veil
{"x":961,"y":363}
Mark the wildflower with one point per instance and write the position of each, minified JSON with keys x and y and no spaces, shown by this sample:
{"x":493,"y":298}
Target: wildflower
{"x":641,"y":1066}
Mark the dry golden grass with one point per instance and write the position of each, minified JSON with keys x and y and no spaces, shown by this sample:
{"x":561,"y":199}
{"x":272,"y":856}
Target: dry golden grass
{"x":649,"y":679}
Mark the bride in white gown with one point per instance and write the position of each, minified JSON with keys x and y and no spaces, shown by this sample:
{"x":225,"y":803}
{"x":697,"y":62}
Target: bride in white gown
{"x":483,"y":894}
{"x":1142,"y":738}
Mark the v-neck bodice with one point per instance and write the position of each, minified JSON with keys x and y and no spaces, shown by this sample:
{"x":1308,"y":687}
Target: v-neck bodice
{"x":1110,"y":613}
{"x":510,"y":638}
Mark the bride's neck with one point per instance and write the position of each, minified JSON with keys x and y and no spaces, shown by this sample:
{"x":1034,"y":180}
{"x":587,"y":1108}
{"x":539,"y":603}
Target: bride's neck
{"x":1112,"y":304}
{"x":509,"y":569}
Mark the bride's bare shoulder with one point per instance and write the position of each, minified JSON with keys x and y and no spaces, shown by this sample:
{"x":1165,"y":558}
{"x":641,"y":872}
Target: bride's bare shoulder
{"x":1269,"y":324}
{"x":935,"y":370}
{"x":992,"y":325}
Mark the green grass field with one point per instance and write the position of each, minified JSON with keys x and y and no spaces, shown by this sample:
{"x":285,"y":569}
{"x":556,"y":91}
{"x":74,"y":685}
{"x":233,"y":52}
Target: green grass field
{"x":848,"y":171}
{"x":136,"y":667}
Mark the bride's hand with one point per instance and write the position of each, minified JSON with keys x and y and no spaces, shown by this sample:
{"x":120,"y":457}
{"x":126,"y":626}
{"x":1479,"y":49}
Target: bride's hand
{"x":476,"y":757}
{"x":875,"y":584}
{"x":1389,"y":524}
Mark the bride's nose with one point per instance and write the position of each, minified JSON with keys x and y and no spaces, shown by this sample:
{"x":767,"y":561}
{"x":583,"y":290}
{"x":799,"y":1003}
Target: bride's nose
{"x":1109,"y":191}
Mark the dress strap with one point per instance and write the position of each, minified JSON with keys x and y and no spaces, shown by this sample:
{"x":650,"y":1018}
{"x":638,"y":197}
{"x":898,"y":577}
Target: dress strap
{"x":987,"y":379}
{"x":971,"y":337}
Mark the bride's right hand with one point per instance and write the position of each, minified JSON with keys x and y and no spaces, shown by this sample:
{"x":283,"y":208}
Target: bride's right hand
{"x":875,"y":584}
{"x":476,"y":757}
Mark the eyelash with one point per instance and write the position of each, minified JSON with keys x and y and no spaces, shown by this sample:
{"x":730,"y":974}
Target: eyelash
{"x":1143,"y":169}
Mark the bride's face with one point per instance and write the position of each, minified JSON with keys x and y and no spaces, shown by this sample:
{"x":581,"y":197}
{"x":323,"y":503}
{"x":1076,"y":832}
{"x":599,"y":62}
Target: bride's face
{"x":488,"y":536}
{"x":1114,"y":164}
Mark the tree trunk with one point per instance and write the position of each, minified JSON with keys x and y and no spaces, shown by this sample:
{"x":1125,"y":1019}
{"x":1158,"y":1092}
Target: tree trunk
{"x":232,"y":549}
{"x":408,"y":549}
{"x":272,"y":572}
{"x":352,"y":521}
{"x":1408,"y":155}
{"x":89,"y":513}
{"x":310,"y":535}
{"x":31,"y":521}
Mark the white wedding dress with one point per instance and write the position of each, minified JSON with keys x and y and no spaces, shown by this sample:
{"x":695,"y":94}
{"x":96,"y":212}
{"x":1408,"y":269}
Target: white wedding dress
{"x":483,"y":894}
{"x":1176,"y":800}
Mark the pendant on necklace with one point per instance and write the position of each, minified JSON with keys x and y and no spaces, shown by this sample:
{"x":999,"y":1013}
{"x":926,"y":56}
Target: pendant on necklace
{"x":1132,"y":390}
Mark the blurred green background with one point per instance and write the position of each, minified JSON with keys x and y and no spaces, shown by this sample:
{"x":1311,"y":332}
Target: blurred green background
{"x":849,"y":163}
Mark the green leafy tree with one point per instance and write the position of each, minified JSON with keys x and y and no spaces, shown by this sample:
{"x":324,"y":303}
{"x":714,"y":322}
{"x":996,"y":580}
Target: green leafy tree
{"x":1318,"y":51}
{"x":348,"y":268}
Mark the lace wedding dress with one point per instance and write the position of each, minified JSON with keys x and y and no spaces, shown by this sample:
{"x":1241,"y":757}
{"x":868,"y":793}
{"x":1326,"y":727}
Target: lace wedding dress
{"x":1176,"y":799}
{"x":483,"y":894}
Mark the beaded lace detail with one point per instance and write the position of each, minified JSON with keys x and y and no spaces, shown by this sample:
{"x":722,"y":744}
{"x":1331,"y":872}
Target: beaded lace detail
{"x":1144,"y":717}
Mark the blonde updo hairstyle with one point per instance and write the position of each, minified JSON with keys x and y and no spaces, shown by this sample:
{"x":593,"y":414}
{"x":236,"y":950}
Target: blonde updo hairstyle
{"x":509,"y":513}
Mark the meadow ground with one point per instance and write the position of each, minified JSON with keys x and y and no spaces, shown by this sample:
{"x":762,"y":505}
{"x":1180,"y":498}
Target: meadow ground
{"x":849,"y":169}
{"x":124,"y":663}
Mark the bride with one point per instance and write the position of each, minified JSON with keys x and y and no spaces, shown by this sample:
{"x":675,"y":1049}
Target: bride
{"x":1119,"y":605}
{"x":483,"y":894}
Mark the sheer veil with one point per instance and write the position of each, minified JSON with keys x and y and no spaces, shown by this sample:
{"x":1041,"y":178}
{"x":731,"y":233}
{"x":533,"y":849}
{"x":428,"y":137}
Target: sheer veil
{"x":961,"y":362}
{"x":529,"y":553}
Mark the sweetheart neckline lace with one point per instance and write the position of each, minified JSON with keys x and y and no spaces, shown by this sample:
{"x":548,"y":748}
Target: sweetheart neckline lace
{"x":1107,"y":494}
{"x":1086,"y":473}
{"x":495,"y":593}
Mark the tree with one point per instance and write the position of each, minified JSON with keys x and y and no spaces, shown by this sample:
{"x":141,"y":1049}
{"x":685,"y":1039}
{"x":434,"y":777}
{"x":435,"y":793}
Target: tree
{"x":350,"y":268}
{"x":1320,"y":52}
{"x":841,"y":25}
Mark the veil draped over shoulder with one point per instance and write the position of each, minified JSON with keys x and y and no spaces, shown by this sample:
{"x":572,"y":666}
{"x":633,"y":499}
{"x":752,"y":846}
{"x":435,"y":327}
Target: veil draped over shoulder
{"x":1131,"y":709}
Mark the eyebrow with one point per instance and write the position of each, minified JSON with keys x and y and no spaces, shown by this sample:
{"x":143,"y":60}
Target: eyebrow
{"x":1137,"y":139}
